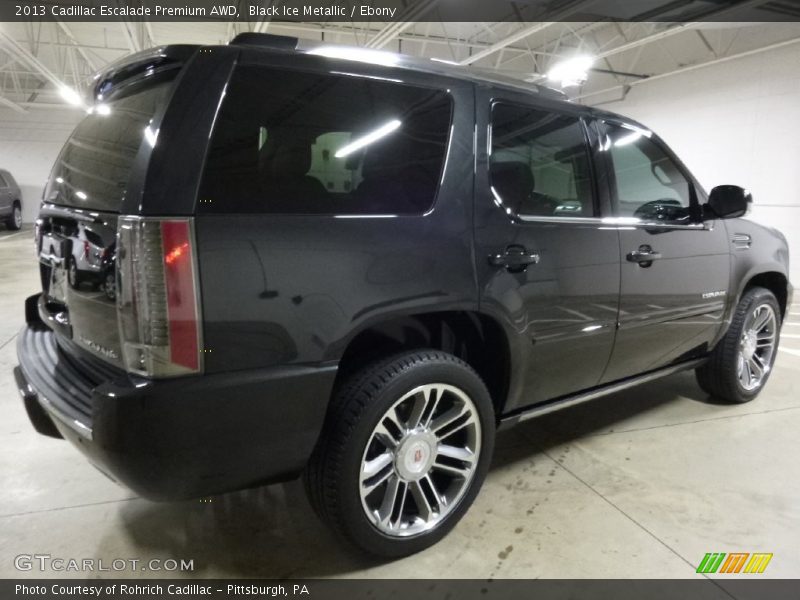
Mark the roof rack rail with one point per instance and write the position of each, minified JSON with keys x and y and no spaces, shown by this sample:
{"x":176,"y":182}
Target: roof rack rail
{"x":266,"y":40}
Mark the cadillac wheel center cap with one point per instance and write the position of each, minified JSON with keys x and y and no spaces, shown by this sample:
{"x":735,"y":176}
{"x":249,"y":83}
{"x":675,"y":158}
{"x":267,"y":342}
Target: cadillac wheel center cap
{"x":415,"y":456}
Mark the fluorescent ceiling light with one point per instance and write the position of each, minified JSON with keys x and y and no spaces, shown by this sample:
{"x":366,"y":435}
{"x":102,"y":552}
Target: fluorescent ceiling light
{"x":571,"y":72}
{"x":447,"y":62}
{"x":151,"y":136}
{"x":375,"y":57}
{"x":366,"y":140}
{"x":629,"y":139}
{"x":635,"y":135}
{"x":70,"y":95}
{"x":81,"y":195}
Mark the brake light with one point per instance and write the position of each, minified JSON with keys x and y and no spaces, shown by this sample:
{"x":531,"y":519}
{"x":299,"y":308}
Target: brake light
{"x":181,"y":301}
{"x":157,"y":297}
{"x":86,"y":250}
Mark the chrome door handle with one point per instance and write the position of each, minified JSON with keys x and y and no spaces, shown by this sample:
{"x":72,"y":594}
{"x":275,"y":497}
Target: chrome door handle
{"x":645,"y":256}
{"x":514,"y":259}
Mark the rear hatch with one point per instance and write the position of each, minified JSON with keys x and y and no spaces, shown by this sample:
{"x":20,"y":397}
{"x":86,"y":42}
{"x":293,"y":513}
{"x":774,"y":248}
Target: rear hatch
{"x":76,"y":232}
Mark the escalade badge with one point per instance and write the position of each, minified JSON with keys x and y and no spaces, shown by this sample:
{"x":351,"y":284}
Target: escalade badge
{"x":108,"y":353}
{"x":720,"y":294}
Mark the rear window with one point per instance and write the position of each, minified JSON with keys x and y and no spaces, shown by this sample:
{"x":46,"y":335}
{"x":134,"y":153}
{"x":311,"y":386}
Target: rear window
{"x":304,"y":143}
{"x":93,"y":169}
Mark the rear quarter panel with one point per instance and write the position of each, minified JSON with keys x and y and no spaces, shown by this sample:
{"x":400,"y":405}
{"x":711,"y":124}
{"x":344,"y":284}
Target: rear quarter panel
{"x":295,"y":289}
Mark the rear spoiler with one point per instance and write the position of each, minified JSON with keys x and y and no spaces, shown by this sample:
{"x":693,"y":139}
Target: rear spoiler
{"x":133,"y":66}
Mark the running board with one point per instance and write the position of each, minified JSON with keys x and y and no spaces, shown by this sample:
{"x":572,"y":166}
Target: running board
{"x":566,"y":401}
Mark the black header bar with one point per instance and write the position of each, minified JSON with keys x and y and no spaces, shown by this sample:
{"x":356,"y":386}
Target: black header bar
{"x":393,"y":11}
{"x":739,"y":588}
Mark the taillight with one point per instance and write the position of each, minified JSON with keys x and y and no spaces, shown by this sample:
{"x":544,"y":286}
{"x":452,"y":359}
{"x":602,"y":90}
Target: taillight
{"x":158,"y":298}
{"x":86,"y":250}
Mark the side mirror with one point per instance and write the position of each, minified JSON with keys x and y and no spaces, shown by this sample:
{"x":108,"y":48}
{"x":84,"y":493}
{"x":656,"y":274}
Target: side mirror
{"x":728,"y":202}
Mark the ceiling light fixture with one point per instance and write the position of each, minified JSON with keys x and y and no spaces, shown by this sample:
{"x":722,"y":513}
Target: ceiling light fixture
{"x":70,"y":95}
{"x":572,"y":71}
{"x":371,"y":137}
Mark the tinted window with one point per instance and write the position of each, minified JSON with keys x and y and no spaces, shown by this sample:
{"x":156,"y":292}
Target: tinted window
{"x":650,"y":186}
{"x":304,"y":143}
{"x":539,"y":164}
{"x":3,"y":182}
{"x":93,"y":169}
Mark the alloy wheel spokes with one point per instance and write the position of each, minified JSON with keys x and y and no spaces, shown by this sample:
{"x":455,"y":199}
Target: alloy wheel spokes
{"x":420,"y":459}
{"x":761,"y":318}
{"x":757,"y":347}
{"x":390,"y":499}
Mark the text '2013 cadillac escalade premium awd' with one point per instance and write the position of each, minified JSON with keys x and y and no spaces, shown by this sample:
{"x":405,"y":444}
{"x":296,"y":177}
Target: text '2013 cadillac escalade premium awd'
{"x":259,"y":261}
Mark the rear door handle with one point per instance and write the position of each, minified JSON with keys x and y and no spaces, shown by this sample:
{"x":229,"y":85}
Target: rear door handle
{"x":645,"y":256}
{"x":514,"y":259}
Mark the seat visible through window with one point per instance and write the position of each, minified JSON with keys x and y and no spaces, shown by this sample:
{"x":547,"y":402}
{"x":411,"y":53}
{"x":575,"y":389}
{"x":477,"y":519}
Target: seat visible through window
{"x":295,"y":142}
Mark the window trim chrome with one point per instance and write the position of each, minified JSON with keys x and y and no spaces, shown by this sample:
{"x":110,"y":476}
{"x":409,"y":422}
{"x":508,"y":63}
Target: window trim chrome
{"x":582,"y":122}
{"x":615,"y":222}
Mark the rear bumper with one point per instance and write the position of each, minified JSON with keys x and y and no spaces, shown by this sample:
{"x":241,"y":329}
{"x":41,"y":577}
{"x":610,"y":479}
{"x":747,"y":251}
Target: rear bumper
{"x":176,"y":438}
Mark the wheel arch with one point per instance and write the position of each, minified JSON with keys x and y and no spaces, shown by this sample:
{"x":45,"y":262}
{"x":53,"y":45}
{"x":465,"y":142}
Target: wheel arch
{"x":775,"y":281}
{"x":475,"y":337}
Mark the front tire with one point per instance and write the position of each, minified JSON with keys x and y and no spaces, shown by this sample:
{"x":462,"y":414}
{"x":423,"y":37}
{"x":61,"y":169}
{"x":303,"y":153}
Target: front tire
{"x":404,"y":450}
{"x":742,"y":361}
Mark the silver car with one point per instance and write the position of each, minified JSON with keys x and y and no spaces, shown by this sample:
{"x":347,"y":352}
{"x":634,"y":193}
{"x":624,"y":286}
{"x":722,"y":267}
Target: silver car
{"x":10,"y":201}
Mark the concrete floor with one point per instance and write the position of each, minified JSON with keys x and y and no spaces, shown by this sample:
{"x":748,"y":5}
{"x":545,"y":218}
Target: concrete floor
{"x":638,"y":485}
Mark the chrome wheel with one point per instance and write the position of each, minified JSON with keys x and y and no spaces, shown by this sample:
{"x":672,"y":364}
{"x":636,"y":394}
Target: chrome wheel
{"x":110,"y":286}
{"x":757,"y":347}
{"x":420,"y":460}
{"x":17,"y":217}
{"x":72,"y":274}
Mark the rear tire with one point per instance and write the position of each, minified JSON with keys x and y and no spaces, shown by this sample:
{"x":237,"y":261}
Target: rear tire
{"x":742,"y":361}
{"x":395,"y":469}
{"x":14,"y":222}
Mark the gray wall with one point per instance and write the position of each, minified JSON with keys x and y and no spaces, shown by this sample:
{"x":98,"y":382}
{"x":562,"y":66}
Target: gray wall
{"x":736,"y":122}
{"x":29,"y":145}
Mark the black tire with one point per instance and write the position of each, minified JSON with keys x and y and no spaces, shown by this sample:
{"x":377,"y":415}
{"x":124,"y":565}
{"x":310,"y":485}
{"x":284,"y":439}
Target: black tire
{"x":719,"y":376}
{"x":359,"y":404}
{"x":14,"y":222}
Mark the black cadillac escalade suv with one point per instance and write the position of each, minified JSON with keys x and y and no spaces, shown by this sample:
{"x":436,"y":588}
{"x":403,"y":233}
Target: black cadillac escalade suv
{"x":259,"y":260}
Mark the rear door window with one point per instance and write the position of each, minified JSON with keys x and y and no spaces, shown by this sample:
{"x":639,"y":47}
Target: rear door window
{"x":540,"y":163}
{"x":305,"y":143}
